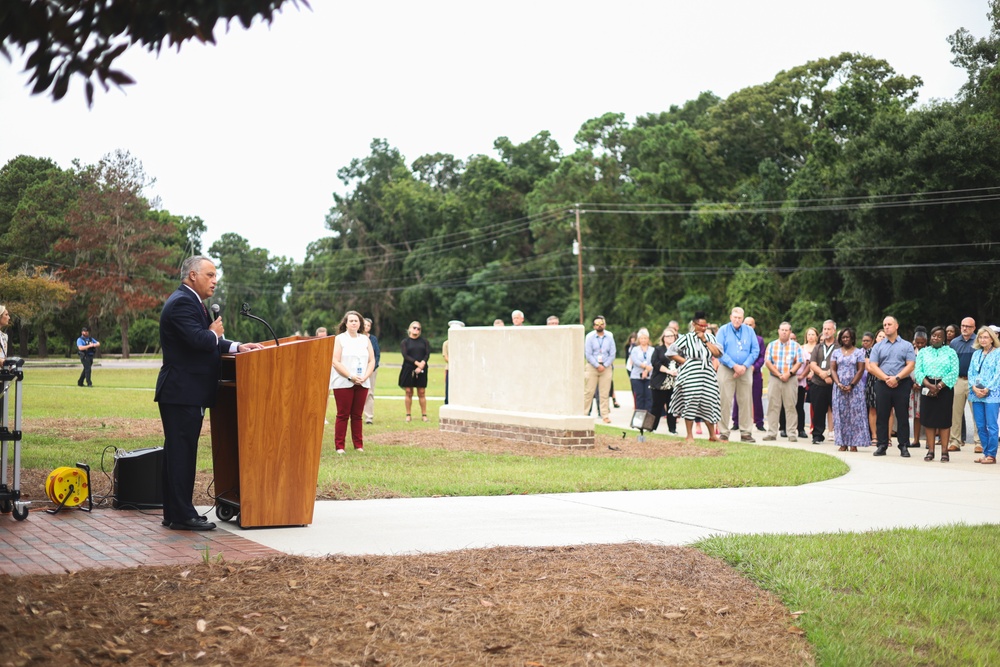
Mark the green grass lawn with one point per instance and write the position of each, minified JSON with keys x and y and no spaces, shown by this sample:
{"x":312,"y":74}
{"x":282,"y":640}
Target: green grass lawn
{"x":899,"y":597}
{"x":398,"y":470}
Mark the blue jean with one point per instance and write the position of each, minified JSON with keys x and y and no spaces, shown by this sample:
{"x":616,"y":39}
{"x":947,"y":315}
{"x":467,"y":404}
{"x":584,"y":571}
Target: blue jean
{"x":640,"y":392}
{"x":985,"y":415}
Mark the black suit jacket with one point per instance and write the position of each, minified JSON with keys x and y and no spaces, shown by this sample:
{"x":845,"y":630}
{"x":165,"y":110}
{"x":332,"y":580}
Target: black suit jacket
{"x":191,"y":353}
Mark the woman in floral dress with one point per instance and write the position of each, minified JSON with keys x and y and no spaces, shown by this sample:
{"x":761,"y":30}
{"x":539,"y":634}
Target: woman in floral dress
{"x":850,"y":413}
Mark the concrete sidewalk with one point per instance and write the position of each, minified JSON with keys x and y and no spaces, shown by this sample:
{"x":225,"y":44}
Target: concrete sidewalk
{"x":878,"y":493}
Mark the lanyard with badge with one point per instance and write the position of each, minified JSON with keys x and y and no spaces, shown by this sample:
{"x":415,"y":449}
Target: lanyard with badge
{"x":827,"y":351}
{"x":600,"y":349}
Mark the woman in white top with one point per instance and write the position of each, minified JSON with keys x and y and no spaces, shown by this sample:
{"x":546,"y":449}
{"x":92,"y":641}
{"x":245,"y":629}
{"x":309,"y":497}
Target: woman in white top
{"x":4,"y":321}
{"x":353,"y":365}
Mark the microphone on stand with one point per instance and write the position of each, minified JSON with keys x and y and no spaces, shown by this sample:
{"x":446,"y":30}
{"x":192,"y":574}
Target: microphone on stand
{"x":245,"y":312}
{"x":215,"y":311}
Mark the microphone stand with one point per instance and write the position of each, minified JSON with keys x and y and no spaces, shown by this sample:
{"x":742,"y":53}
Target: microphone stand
{"x":245,"y":312}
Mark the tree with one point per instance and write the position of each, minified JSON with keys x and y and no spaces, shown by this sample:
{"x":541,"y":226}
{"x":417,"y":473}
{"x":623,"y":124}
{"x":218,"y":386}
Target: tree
{"x":16,"y":177}
{"x":84,"y":38}
{"x":251,"y":276}
{"x":37,"y":223}
{"x":980,"y":59}
{"x":116,"y":245}
{"x":30,"y":292}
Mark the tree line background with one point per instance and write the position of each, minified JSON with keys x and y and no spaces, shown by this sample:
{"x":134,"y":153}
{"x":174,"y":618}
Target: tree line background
{"x":825,"y":192}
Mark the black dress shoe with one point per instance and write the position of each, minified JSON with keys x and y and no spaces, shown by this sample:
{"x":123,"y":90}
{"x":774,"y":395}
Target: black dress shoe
{"x":200,"y":517}
{"x":803,"y":435}
{"x":192,"y":524}
{"x":818,"y":441}
{"x":880,"y":450}
{"x":783,"y":433}
{"x":904,"y":451}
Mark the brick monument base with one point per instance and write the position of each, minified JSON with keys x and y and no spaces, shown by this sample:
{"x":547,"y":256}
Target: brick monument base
{"x":582,"y":439}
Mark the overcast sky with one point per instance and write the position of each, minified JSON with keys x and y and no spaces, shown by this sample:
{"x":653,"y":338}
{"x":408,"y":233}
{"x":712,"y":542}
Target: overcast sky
{"x":249,"y":134}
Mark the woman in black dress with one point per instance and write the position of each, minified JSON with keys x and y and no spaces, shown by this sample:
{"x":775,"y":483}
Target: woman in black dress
{"x":416,"y":352}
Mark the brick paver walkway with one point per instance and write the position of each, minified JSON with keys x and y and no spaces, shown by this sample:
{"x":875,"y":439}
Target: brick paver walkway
{"x":75,"y":540}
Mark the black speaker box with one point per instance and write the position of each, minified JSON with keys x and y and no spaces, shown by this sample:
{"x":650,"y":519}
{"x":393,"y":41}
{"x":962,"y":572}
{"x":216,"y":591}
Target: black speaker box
{"x":138,"y":479}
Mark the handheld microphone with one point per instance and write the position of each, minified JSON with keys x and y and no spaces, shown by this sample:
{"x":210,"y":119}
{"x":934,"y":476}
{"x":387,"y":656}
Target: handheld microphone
{"x":215,"y":311}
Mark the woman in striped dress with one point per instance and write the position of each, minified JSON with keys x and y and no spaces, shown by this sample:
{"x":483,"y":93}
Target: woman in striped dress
{"x":696,"y":390}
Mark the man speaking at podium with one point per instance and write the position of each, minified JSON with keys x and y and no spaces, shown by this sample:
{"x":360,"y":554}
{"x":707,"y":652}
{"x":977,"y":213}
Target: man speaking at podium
{"x":192,"y":345}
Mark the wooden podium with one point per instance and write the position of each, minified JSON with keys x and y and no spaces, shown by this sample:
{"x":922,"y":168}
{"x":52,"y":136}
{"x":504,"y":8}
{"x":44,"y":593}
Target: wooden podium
{"x":267,"y":431}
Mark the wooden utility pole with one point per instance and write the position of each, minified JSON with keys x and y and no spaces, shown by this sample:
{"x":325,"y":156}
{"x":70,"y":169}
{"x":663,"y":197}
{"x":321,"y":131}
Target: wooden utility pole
{"x":579,"y":260}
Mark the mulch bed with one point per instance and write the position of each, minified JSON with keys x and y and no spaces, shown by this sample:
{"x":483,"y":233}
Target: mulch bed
{"x":626,"y":604}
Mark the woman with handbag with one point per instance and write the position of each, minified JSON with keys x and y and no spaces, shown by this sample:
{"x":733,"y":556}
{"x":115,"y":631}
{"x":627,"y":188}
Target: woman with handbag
{"x":661,"y":381}
{"x":936,"y":372}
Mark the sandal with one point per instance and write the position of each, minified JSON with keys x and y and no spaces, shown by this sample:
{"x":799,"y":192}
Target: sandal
{"x":407,"y":417}
{"x":944,"y":457}
{"x":842,"y":448}
{"x":989,"y":460}
{"x":929,"y":457}
{"x":854,"y":449}
{"x":425,"y":418}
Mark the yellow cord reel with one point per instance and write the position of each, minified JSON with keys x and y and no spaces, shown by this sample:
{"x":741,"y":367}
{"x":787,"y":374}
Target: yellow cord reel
{"x":67,"y":487}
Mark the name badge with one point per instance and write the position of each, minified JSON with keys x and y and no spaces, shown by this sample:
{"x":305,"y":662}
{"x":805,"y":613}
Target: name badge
{"x":823,"y":365}
{"x":600,"y":359}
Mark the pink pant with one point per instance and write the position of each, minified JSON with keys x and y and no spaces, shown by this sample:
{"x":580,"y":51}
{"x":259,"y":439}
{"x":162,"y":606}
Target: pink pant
{"x":350,"y":404}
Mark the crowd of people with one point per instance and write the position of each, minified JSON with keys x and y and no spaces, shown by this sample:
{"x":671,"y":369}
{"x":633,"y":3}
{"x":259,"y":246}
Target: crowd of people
{"x":708,"y":375}
{"x":859,"y":394}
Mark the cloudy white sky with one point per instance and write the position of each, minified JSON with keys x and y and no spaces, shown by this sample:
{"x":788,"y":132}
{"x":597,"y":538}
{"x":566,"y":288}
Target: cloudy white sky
{"x":249,"y":134}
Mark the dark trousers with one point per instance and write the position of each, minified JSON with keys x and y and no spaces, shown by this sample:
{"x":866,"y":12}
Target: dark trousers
{"x":350,"y":405}
{"x":181,"y":428}
{"x":800,"y":411}
{"x":889,"y":400}
{"x":661,"y":405}
{"x":821,"y":398}
{"x":87,"y":361}
{"x":640,"y":394}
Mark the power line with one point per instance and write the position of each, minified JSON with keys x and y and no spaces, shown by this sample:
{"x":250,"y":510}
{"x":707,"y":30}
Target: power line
{"x":857,"y":198}
{"x":936,"y":246}
{"x":709,"y":208}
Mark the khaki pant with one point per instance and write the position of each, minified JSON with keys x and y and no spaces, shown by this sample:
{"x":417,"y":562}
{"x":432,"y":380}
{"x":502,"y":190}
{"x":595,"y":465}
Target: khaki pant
{"x":958,"y":410}
{"x":782,"y":395}
{"x":602,"y":383}
{"x":369,"y":410}
{"x":742,"y":386}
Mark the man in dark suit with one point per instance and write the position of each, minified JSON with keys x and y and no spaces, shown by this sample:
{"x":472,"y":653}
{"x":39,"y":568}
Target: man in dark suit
{"x":192,"y":346}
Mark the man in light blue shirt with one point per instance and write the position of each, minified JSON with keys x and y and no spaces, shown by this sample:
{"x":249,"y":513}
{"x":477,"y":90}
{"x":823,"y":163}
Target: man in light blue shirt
{"x":891,"y":363}
{"x":599,"y":349}
{"x":740,"y":350}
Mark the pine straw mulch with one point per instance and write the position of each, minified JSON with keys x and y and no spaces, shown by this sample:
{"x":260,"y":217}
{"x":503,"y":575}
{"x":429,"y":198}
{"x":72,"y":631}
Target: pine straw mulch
{"x":627,"y":604}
